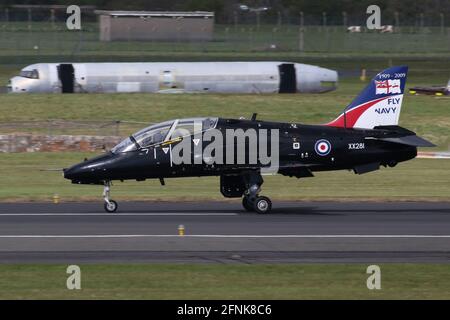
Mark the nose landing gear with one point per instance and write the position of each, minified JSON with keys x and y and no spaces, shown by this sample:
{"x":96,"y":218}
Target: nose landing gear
{"x":110,"y":205}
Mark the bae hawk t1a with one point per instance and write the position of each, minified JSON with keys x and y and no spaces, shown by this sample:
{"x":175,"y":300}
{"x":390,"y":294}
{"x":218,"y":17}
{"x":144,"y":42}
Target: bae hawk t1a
{"x":362,"y":138}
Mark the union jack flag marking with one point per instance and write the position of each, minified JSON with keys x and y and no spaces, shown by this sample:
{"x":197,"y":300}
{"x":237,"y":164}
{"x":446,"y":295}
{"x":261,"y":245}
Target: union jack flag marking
{"x":387,"y":86}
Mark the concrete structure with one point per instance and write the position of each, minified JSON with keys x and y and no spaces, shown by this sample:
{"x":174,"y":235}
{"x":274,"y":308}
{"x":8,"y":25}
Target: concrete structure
{"x":55,"y":143}
{"x":150,"y":25}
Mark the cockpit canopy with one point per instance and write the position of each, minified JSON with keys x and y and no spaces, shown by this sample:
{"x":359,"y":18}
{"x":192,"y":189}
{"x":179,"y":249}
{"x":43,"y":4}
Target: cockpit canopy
{"x":165,"y":131}
{"x":31,"y":74}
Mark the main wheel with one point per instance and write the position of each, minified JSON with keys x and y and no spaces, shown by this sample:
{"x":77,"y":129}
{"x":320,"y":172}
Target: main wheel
{"x":247,"y":204}
{"x":262,"y":205}
{"x":111,"y":206}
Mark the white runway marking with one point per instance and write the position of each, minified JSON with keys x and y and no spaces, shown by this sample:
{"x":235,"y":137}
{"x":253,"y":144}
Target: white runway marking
{"x":320,"y":236}
{"x":92,"y":214}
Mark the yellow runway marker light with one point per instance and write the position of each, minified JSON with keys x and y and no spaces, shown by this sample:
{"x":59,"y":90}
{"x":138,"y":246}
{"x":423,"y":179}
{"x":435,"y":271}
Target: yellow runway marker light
{"x":181,"y":230}
{"x":363,"y":76}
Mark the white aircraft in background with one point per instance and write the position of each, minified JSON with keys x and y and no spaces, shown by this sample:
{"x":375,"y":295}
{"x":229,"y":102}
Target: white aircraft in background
{"x":173,"y":77}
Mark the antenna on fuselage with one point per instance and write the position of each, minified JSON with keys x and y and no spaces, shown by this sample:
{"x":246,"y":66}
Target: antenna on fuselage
{"x":345,"y":119}
{"x":254,"y":117}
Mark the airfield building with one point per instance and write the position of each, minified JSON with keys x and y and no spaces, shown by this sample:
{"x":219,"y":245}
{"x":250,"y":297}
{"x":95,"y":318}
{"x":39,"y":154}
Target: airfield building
{"x":155,"y":25}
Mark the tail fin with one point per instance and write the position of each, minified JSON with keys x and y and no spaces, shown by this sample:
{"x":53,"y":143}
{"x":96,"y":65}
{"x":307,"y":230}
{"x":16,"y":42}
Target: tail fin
{"x":379,"y":104}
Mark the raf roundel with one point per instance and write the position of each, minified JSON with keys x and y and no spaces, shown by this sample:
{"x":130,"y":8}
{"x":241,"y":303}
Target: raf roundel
{"x":322,"y":147}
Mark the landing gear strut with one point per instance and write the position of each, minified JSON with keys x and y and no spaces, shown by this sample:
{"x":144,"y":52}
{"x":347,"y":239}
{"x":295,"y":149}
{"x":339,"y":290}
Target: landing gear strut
{"x":247,"y":204}
{"x":110,"y":205}
{"x":251,"y":200}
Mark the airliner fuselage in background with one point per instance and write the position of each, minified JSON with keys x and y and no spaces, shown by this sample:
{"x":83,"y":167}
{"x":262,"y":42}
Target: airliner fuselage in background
{"x":174,"y":77}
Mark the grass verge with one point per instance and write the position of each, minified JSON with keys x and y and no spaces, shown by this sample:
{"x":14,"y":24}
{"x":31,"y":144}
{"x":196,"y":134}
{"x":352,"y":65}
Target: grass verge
{"x":419,"y":179}
{"x":142,"y":281}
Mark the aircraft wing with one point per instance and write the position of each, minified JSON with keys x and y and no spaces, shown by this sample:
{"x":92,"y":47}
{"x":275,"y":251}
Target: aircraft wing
{"x":291,"y":169}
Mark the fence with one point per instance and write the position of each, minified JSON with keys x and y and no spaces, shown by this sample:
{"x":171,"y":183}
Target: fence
{"x":42,"y":35}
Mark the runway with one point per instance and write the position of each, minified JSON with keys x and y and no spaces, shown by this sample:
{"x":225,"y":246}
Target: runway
{"x":221,"y":232}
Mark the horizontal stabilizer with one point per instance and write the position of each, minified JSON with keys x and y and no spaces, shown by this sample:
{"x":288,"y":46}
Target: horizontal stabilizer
{"x":411,"y":140}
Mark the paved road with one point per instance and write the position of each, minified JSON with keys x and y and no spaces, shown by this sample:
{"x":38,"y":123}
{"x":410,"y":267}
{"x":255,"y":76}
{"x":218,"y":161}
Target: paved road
{"x":222,"y":232}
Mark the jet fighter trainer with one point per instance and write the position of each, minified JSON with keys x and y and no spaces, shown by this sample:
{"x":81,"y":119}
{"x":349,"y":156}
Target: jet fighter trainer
{"x":362,"y":138}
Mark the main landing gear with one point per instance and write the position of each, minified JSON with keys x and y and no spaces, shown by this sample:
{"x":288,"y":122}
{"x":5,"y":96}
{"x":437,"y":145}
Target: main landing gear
{"x":252,"y":201}
{"x":110,"y":205}
{"x":259,"y":204}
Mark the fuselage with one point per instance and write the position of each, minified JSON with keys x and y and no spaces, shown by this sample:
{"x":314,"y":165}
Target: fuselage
{"x":299,"y":151}
{"x":173,"y":77}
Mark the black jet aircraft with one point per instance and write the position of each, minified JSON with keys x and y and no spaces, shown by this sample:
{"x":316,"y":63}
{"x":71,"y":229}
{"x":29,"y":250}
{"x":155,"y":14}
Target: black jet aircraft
{"x":362,"y":138}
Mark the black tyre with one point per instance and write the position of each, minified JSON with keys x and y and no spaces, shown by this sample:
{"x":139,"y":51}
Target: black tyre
{"x":111,"y":206}
{"x":247,"y":204}
{"x":262,"y":205}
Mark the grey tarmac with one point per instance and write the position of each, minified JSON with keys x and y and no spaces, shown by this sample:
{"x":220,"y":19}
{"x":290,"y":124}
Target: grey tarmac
{"x":221,"y":232}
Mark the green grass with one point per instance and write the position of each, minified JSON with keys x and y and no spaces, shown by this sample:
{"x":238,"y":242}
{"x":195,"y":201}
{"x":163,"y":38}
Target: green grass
{"x":419,"y":179}
{"x":428,"y":116}
{"x":7,"y":72}
{"x":332,"y":281}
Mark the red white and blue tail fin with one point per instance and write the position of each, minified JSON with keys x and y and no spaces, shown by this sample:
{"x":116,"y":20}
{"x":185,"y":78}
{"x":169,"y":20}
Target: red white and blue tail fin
{"x":379,"y":104}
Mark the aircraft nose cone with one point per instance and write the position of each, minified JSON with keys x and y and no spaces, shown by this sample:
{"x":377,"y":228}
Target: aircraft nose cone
{"x":89,"y":171}
{"x":78,"y":173}
{"x":72,"y":173}
{"x":18,"y":84}
{"x":12,"y":83}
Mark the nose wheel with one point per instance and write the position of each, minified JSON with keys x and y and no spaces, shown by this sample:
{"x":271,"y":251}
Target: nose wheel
{"x":110,"y":205}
